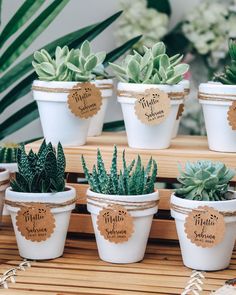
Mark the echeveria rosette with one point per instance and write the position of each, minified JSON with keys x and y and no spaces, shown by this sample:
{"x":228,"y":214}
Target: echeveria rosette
{"x":80,"y":65}
{"x":229,"y":75}
{"x":204,"y":181}
{"x":153,"y":67}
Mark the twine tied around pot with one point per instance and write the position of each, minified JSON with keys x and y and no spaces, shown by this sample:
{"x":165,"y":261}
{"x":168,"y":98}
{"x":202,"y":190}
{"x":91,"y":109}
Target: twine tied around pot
{"x":186,"y":210}
{"x":133,"y":94}
{"x":216,"y":96}
{"x":68,"y":90}
{"x":135,"y":206}
{"x":50,"y":205}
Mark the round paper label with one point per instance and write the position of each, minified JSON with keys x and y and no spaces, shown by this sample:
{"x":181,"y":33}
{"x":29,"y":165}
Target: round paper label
{"x":205,"y":227}
{"x":115,"y":224}
{"x":180,"y":111}
{"x":35,"y":223}
{"x":84,"y":100}
{"x":152,"y":107}
{"x":232,"y":115}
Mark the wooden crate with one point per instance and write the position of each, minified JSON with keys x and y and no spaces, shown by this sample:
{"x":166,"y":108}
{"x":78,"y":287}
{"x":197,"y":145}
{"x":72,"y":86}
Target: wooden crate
{"x":183,"y":148}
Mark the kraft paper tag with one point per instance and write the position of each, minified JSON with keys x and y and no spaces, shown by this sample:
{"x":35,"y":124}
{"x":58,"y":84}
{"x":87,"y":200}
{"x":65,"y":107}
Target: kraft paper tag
{"x":35,"y":223}
{"x":84,"y":100}
{"x":115,"y":224}
{"x":232,"y":115}
{"x":180,"y":111}
{"x":205,"y":227}
{"x":152,"y":107}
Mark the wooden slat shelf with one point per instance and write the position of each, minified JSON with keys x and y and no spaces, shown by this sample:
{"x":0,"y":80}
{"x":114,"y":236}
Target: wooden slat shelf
{"x":80,"y":271}
{"x":182,"y":149}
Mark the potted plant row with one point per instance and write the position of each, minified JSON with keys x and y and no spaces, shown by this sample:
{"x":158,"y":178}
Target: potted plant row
{"x":205,"y":215}
{"x":122,"y":205}
{"x":150,"y":94}
{"x":40,"y":203}
{"x":71,"y":74}
{"x":218,"y":100}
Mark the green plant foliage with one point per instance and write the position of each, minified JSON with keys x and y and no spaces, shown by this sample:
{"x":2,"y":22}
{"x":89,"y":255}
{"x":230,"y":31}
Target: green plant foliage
{"x":204,"y":181}
{"x":153,"y":67}
{"x":133,"y":179}
{"x":15,"y":42}
{"x":229,"y":75}
{"x":70,"y":65}
{"x":41,"y":172}
{"x":8,"y":153}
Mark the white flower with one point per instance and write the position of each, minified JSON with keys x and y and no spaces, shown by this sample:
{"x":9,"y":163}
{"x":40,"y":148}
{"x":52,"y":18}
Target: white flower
{"x":137,"y":19}
{"x":209,"y":27}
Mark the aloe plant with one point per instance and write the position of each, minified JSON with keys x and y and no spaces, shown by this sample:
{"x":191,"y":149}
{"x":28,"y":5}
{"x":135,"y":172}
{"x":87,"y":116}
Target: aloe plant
{"x":21,"y":73}
{"x":41,"y":172}
{"x":133,"y":179}
{"x":229,"y":75}
{"x":204,"y":181}
{"x":70,"y":65}
{"x":8,"y":152}
{"x":153,"y":67}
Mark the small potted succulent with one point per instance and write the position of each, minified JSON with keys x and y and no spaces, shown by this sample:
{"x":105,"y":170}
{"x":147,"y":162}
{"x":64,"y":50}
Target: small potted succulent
{"x":58,"y":79}
{"x":39,"y":202}
{"x":218,"y":100}
{"x":8,"y":154}
{"x":186,"y":84}
{"x":150,"y":94}
{"x":122,"y":205}
{"x":205,"y":215}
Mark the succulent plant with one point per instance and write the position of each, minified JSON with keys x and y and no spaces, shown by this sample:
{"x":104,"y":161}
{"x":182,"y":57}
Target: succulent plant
{"x":133,"y":179}
{"x":41,"y":172}
{"x":204,"y":181}
{"x":229,"y":75}
{"x":153,"y":67}
{"x":8,"y":153}
{"x":69,"y":65}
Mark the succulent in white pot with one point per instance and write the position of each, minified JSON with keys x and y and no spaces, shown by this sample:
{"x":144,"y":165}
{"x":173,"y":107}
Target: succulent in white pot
{"x":219,"y":107}
{"x":150,"y":94}
{"x":122,"y":204}
{"x":186,"y":84}
{"x":76,"y":77}
{"x":40,"y":203}
{"x":205,"y":215}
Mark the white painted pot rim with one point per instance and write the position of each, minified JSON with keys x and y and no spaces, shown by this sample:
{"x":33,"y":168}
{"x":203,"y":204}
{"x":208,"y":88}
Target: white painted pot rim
{"x":68,"y":84}
{"x":218,"y":88}
{"x":57,"y":198}
{"x":185,"y":83}
{"x":92,"y":208}
{"x":142,"y":87}
{"x":226,"y":206}
{"x":11,"y":167}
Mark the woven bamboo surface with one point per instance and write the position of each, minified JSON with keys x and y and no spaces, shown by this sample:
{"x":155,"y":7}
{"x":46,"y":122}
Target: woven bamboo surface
{"x":80,"y":271}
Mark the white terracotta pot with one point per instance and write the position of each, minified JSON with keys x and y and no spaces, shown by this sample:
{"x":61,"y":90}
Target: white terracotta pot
{"x":196,"y":257}
{"x":12,"y":168}
{"x":134,"y":249}
{"x":58,"y":122}
{"x":186,"y":84}
{"x":220,"y":135}
{"x":145,"y":136}
{"x":96,"y":122}
{"x":54,"y":246}
{"x":4,"y":183}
